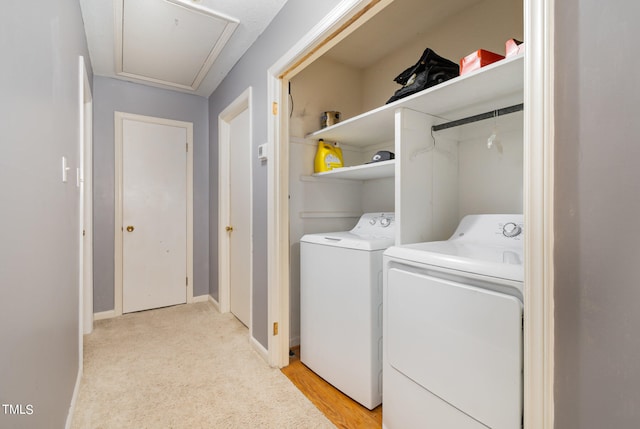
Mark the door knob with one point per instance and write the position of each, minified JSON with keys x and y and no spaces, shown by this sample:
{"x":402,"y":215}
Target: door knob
{"x":130,"y":228}
{"x":229,"y":228}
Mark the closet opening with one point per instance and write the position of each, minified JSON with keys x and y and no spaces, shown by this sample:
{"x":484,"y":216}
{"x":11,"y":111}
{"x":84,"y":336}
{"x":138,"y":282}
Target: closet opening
{"x":438,"y":175}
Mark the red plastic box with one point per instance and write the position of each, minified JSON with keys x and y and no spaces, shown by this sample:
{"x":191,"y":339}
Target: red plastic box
{"x":513,"y":47}
{"x":479,"y":58}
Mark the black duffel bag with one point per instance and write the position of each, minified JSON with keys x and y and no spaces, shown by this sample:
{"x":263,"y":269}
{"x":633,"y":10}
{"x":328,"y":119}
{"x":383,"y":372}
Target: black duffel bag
{"x":430,"y":70}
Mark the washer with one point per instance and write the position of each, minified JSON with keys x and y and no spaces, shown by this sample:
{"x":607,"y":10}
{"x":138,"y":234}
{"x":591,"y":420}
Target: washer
{"x":341,"y":306}
{"x":453,"y":329}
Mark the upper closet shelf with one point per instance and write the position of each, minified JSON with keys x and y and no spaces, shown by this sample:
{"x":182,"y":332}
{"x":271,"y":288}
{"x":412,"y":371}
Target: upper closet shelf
{"x":450,"y":100}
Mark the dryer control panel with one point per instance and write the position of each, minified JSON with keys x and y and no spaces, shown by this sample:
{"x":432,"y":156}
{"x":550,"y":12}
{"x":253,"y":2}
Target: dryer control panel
{"x":496,"y":229}
{"x":376,"y":225}
{"x":511,"y":229}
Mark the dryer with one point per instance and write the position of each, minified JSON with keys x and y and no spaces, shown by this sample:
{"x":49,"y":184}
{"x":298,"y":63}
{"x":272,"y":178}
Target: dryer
{"x":453,"y":318}
{"x":341,"y":306}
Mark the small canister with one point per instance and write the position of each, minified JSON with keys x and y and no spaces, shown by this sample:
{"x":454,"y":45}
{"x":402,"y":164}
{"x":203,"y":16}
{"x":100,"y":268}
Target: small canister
{"x":329,"y":118}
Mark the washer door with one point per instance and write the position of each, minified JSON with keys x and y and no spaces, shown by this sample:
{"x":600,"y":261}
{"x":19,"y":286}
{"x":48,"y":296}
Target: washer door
{"x":460,"y":342}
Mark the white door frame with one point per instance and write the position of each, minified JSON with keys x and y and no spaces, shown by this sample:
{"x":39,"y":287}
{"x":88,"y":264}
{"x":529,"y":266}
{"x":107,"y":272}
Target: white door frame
{"x":538,"y":196}
{"x":239,"y":105}
{"x":538,"y":214}
{"x":333,"y":28}
{"x":119,"y":117}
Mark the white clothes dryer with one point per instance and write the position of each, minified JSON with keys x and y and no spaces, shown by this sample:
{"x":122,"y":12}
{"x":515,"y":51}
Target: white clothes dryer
{"x":341,"y":306}
{"x":453,"y":313}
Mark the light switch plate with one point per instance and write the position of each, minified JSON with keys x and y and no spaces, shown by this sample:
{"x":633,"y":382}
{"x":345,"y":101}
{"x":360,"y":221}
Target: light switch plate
{"x":262,"y":152}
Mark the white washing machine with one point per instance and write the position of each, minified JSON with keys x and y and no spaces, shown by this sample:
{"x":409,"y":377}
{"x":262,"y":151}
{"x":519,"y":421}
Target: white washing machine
{"x":341,"y":306}
{"x":453,"y":329}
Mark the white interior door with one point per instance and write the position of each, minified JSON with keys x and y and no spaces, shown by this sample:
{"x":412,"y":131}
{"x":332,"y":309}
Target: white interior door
{"x":154,"y":215}
{"x":240,"y":216}
{"x":85,"y":183}
{"x":86,"y":192}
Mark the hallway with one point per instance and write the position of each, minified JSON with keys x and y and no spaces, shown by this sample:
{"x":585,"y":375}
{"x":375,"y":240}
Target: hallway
{"x":186,"y":366}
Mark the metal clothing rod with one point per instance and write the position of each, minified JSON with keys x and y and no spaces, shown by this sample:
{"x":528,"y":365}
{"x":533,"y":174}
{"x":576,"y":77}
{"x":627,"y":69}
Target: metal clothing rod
{"x":479,"y":117}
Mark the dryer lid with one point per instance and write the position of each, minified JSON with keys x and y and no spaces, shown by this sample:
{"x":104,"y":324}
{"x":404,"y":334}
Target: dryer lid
{"x":349,"y":240}
{"x":495,"y":262}
{"x":490,"y":245}
{"x":374,"y":231}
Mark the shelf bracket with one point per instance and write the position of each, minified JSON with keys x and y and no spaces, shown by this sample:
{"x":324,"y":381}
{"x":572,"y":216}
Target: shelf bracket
{"x":479,"y":117}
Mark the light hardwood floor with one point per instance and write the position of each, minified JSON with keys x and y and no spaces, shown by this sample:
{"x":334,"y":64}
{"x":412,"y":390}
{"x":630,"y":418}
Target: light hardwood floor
{"x":343,"y":411}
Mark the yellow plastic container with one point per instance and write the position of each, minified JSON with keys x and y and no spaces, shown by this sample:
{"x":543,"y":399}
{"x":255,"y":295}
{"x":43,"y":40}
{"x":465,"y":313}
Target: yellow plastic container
{"x":338,"y":150}
{"x":327,"y":158}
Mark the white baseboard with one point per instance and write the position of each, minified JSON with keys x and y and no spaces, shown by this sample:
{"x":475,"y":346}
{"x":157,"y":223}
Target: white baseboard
{"x":295,"y":341}
{"x":264,"y":354}
{"x":109,"y":314}
{"x":201,"y":298}
{"x":74,"y":398}
{"x":215,"y":303}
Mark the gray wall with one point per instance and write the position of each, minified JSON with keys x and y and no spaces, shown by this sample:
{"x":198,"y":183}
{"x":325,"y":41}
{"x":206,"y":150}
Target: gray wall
{"x":39,"y":120}
{"x":295,"y":19}
{"x":597,"y":208}
{"x":112,"y":95}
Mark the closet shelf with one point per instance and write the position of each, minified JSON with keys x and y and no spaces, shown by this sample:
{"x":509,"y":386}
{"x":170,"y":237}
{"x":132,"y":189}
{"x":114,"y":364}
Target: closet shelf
{"x":376,"y":170}
{"x":328,"y":215}
{"x":450,"y":100}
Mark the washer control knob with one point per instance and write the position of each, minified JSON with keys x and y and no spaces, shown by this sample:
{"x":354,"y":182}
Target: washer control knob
{"x":372,"y":221}
{"x":385,"y":222}
{"x":511,"y":230}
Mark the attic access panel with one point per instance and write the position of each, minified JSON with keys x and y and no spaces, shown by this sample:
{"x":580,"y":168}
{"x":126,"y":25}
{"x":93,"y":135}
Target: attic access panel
{"x":168,"y":42}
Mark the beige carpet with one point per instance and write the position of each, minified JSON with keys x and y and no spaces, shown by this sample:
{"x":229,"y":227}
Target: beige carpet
{"x":184,"y":367}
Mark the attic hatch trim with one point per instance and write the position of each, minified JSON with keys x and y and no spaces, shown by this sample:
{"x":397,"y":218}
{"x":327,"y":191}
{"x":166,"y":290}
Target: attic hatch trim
{"x":230,"y":27}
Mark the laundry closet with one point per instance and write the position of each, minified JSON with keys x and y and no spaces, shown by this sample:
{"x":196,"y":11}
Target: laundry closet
{"x":437,"y":176}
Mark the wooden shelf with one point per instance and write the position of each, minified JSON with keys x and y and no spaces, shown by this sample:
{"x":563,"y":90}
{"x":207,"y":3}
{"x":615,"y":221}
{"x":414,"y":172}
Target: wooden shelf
{"x":376,"y":170}
{"x":450,"y":100}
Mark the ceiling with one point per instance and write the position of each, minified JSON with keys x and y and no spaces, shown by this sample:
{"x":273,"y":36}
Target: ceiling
{"x":183,"y":45}
{"x":400,"y":22}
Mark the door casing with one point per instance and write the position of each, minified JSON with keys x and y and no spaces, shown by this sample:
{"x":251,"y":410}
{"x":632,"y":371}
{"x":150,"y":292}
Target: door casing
{"x":118,"y":226}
